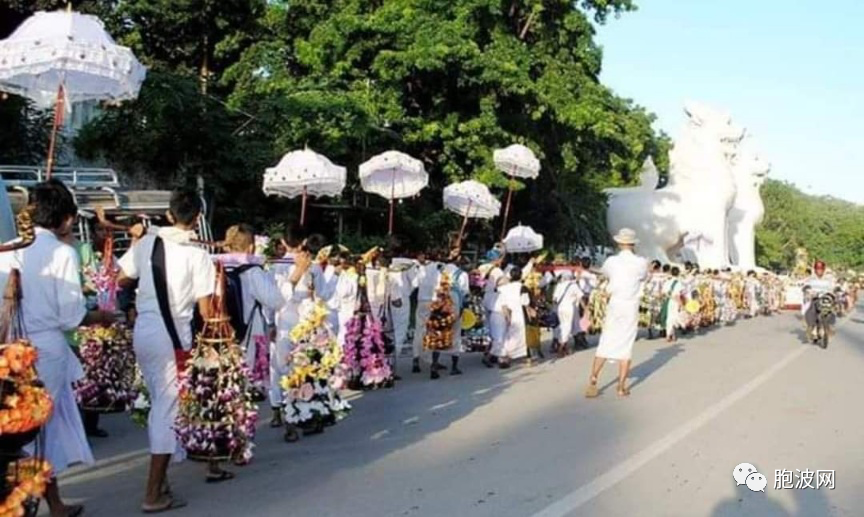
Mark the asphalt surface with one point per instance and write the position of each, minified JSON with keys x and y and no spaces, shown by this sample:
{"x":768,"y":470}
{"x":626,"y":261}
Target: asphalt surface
{"x":525,"y":442}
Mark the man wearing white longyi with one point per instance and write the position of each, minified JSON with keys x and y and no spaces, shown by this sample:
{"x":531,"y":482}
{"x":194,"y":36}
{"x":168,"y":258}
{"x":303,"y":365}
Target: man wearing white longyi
{"x":626,"y":273}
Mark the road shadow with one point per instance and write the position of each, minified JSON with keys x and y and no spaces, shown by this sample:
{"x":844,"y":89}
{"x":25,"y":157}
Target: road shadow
{"x":642,"y":371}
{"x":807,"y":503}
{"x":382,"y":423}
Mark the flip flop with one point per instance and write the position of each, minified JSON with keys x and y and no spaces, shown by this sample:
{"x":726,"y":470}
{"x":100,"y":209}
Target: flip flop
{"x":624,"y":393}
{"x":223,"y":475}
{"x":592,"y":391}
{"x":75,"y":510}
{"x":173,"y":504}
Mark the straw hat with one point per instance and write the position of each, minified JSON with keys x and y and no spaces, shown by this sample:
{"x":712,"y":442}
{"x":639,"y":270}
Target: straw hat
{"x":625,"y":236}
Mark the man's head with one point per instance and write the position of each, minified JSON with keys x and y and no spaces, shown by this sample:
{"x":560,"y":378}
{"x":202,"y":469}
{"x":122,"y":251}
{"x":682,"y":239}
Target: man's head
{"x":675,"y":272}
{"x":184,"y":209}
{"x":667,"y":268}
{"x":586,"y":263}
{"x":655,"y":265}
{"x":240,"y":238}
{"x":626,"y":239}
{"x":515,"y":274}
{"x":819,"y":268}
{"x":52,"y":207}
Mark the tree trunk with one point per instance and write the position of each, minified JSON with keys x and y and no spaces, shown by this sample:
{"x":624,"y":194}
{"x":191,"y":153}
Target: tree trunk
{"x":204,"y":72}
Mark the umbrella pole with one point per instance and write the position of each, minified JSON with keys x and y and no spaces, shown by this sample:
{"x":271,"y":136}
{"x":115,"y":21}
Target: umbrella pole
{"x":59,"y":107}
{"x":507,"y":210}
{"x":303,"y":209}
{"x":464,"y":224}
{"x":392,"y":192}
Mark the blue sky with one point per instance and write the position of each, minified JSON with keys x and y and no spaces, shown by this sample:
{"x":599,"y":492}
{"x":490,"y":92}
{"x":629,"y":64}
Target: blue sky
{"x":791,"y":71}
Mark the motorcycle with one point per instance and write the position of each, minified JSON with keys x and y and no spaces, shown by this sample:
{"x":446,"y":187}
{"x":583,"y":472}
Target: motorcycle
{"x":842,"y":302}
{"x":826,"y":309}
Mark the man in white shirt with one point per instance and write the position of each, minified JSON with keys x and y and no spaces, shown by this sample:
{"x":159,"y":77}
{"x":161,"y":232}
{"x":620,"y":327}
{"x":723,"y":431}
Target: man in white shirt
{"x":293,"y":275}
{"x":174,"y":275}
{"x":816,"y":285}
{"x":426,"y":282}
{"x":52,"y":303}
{"x":567,"y":298}
{"x":401,"y":286}
{"x":259,"y":296}
{"x":626,"y":272}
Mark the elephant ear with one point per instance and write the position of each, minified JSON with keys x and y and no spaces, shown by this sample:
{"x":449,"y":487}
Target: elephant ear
{"x":649,"y":176}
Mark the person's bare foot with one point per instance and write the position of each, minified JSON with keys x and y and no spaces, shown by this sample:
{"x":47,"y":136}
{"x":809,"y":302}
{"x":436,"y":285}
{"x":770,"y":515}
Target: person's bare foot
{"x":623,"y":391}
{"x":592,"y":391}
{"x":164,"y":504}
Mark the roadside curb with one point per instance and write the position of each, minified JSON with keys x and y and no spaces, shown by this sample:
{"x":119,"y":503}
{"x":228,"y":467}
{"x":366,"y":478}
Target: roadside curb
{"x":112,"y":461}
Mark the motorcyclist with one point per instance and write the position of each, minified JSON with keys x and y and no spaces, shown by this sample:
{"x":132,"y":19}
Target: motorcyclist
{"x":818,"y":284}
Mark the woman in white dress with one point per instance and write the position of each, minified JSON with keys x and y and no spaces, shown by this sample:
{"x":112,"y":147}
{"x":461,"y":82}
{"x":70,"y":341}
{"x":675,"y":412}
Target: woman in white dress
{"x":567,"y":296}
{"x":673,"y":290}
{"x":52,"y":303}
{"x":512,"y":302}
{"x":495,"y":322}
{"x":294,"y":278}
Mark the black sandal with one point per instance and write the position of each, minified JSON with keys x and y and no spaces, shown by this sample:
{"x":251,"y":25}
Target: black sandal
{"x":291,"y":434}
{"x":223,"y":475}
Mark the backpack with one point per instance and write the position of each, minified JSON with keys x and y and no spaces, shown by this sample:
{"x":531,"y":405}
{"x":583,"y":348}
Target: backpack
{"x":234,"y":301}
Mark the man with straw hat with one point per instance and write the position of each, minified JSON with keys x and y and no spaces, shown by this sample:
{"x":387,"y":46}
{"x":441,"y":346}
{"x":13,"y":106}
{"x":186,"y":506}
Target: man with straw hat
{"x":626,"y":272}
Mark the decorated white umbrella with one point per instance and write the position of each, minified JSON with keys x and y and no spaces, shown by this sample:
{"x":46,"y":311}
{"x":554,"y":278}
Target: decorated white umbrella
{"x":522,"y":239}
{"x":64,"y":57}
{"x":516,"y":161}
{"x":393,"y":175}
{"x":304,"y":173}
{"x":471,"y":199}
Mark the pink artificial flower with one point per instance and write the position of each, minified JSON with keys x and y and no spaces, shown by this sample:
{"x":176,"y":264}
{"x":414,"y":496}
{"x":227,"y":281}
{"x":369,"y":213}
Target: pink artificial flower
{"x":306,"y":392}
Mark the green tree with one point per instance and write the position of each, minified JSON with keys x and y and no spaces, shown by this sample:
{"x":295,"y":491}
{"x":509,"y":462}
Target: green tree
{"x":829,"y":229}
{"x":448,"y":82}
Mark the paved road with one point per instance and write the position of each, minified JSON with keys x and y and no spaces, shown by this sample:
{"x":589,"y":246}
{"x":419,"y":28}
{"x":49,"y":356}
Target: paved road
{"x":525,"y":442}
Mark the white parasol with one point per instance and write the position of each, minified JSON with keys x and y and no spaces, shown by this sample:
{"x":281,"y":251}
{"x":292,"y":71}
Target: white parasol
{"x":304,"y":173}
{"x":516,"y":161}
{"x":64,"y":57}
{"x":522,"y":239}
{"x":393,"y":175}
{"x":471,"y":199}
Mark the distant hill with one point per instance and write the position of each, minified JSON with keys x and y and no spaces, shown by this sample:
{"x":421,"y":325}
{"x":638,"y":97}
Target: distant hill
{"x":829,"y":229}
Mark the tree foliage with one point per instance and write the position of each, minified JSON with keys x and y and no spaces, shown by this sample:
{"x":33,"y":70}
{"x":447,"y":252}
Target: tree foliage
{"x":829,"y":229}
{"x":447,"y":81}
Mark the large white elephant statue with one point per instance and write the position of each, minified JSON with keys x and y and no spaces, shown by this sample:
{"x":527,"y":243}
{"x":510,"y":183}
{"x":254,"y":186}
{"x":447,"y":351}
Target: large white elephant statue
{"x":747,"y":210}
{"x":691,"y":210}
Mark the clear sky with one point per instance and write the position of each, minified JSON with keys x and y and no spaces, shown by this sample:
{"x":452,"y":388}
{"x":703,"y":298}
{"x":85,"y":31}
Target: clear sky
{"x":791,"y":71}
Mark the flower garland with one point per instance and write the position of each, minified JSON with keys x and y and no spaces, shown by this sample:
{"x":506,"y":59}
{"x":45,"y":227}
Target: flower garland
{"x":261,"y":366}
{"x":17,"y":359}
{"x":109,"y":368}
{"x":25,"y":406}
{"x":28,"y":477}
{"x":217,"y":417}
{"x":439,"y":326}
{"x":139,"y":409}
{"x":365,"y":351}
{"x":317,"y":374}
{"x":103,"y":278}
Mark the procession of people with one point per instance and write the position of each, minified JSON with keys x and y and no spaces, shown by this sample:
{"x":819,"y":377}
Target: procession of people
{"x":307,"y":321}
